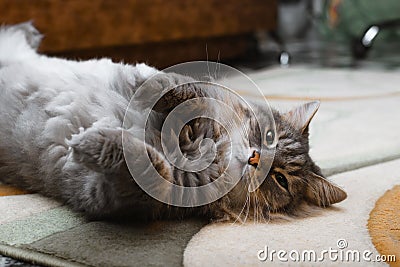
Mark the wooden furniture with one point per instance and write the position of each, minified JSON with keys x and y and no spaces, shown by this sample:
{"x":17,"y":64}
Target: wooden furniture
{"x":161,"y":32}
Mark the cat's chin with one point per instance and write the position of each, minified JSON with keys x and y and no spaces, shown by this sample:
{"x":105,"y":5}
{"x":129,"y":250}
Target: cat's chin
{"x":238,"y":169}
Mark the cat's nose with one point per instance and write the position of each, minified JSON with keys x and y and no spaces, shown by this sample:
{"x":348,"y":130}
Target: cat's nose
{"x":254,"y":158}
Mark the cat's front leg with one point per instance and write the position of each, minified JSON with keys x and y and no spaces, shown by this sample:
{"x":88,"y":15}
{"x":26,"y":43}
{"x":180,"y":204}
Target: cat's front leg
{"x":165,"y":91}
{"x":98,"y":149}
{"x":102,"y":150}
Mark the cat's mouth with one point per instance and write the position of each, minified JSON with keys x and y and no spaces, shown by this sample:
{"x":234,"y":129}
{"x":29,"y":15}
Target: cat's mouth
{"x":254,"y":158}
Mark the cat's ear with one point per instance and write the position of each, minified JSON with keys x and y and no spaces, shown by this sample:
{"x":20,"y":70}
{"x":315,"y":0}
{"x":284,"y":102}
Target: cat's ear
{"x":300,"y":117}
{"x":323,"y":193}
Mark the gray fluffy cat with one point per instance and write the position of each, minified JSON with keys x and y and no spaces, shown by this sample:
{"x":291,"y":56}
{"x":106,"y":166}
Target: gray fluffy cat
{"x":61,"y":135}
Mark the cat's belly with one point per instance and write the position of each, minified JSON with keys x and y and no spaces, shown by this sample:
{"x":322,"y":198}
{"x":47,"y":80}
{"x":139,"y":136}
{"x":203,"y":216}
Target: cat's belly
{"x":40,"y":112}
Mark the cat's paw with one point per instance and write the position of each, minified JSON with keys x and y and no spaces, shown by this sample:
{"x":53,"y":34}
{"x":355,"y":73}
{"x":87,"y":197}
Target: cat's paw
{"x":102,"y":150}
{"x":99,"y":149}
{"x":164,"y":91}
{"x":180,"y":89}
{"x":32,"y":35}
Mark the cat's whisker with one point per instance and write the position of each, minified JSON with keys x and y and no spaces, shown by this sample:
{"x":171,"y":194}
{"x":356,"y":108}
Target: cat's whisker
{"x":256,"y":206}
{"x":267,"y":205}
{"x":254,"y":209}
{"x":208,"y":66}
{"x":240,"y":214}
{"x":260,"y":211}
{"x":248,"y":207}
{"x":248,"y":204}
{"x":216,"y":67}
{"x":260,"y":207}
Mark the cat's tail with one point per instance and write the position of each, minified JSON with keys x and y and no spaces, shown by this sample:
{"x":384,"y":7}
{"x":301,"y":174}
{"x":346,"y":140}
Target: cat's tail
{"x":18,"y":42}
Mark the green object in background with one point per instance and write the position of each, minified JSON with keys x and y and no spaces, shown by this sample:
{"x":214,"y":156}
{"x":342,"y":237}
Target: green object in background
{"x":348,"y":19}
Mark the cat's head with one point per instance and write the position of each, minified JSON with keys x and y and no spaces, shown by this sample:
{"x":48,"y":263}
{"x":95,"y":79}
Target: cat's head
{"x":294,"y":184}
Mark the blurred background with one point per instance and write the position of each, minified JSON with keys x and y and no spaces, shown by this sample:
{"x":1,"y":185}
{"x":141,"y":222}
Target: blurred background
{"x":247,"y":34}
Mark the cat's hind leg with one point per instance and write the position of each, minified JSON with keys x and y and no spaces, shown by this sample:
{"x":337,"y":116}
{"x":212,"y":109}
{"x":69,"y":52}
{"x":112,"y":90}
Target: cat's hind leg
{"x":32,"y":35}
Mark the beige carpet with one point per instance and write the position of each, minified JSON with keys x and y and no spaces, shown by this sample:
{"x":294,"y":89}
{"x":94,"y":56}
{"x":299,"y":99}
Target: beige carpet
{"x":238,"y":245}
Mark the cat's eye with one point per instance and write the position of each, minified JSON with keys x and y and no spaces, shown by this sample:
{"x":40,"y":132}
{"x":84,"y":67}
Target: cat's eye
{"x":269,"y":137}
{"x":282,"y":181}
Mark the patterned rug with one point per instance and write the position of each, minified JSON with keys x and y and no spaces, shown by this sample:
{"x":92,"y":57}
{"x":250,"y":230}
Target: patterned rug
{"x":356,"y":127}
{"x":342,"y":228}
